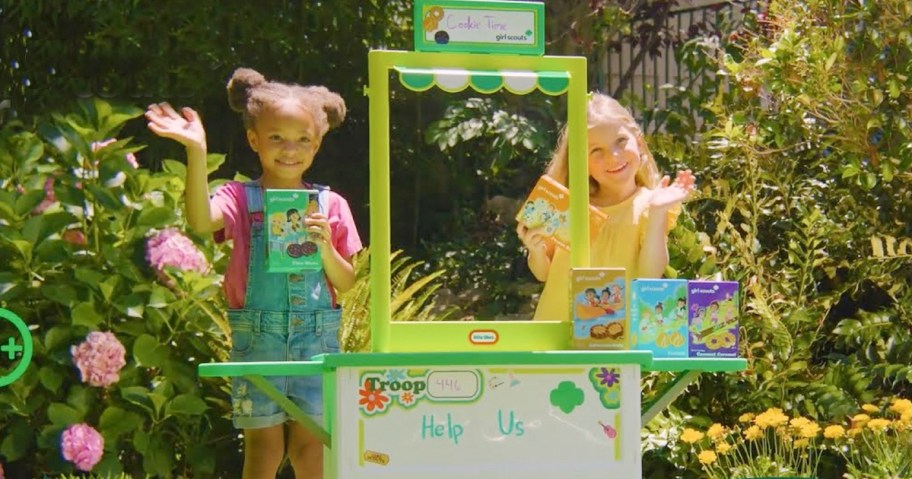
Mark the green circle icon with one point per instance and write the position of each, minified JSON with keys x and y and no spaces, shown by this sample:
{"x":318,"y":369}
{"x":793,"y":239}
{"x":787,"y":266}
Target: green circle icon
{"x":10,"y":346}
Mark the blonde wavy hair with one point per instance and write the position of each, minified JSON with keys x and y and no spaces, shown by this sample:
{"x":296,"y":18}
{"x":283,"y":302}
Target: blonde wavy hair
{"x":602,"y":109}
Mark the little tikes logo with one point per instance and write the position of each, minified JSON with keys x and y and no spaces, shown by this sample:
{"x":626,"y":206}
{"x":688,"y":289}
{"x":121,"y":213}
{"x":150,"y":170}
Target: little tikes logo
{"x":483,"y":337}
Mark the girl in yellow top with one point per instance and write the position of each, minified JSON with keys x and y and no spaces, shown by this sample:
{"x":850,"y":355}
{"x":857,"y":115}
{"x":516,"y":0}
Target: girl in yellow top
{"x":624,"y":183}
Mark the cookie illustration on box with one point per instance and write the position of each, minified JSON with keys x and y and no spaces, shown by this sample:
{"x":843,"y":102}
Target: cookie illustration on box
{"x":290,"y":246}
{"x":548,"y":207}
{"x":598,"y":306}
{"x":658,"y":317}
{"x":713,"y":323}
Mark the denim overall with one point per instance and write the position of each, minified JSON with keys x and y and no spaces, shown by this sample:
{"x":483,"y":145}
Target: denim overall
{"x":286,"y":317}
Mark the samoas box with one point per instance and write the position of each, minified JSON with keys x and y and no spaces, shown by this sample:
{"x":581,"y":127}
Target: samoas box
{"x":598,"y":306}
{"x":658,"y":317}
{"x":289,"y":245}
{"x":713,"y":323}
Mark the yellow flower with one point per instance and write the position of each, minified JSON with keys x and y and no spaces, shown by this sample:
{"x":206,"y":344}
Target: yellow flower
{"x":901,"y":406}
{"x":801,"y":443}
{"x":707,"y":457}
{"x":870,"y":408}
{"x":833,"y":432}
{"x":746,"y":417}
{"x":859,"y":420}
{"x":691,"y":436}
{"x":906,"y":417}
{"x":809,"y":430}
{"x":772,"y":417}
{"x":853,"y":431}
{"x":799,"y":422}
{"x":715,"y":431}
{"x":878,"y":424}
{"x":723,"y":447}
{"x":753,"y":433}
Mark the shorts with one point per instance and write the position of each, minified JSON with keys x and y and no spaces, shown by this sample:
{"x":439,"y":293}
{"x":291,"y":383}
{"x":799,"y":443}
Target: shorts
{"x":279,"y":336}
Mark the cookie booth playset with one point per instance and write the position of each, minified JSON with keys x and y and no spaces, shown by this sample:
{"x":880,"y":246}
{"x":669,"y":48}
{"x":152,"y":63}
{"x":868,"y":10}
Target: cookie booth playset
{"x":455,"y":399}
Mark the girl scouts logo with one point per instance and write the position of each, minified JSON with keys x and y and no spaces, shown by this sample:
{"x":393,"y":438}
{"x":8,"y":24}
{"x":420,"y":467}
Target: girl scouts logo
{"x":15,"y":347}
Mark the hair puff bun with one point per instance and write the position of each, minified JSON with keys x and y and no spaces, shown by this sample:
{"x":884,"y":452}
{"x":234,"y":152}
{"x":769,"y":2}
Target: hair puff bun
{"x":239,"y":86}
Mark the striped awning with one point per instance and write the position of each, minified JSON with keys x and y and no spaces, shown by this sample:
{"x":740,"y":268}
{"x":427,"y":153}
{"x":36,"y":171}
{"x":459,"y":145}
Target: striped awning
{"x":452,"y":80}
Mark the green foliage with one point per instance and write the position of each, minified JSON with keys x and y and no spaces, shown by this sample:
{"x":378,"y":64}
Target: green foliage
{"x":410,"y":298}
{"x":79,"y":266}
{"x":805,"y":157}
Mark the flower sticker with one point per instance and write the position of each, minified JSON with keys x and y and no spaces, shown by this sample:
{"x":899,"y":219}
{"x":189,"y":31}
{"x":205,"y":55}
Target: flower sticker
{"x":606,"y":381}
{"x":372,"y":399}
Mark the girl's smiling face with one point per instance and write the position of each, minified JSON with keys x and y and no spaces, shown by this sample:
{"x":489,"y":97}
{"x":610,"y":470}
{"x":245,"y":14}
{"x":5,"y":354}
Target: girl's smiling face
{"x":285,"y":138}
{"x":614,"y":157}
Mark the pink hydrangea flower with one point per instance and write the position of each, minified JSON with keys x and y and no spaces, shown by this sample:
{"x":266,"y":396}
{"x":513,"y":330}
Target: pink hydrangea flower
{"x":170,"y":248}
{"x":130,"y":157}
{"x":99,"y":358}
{"x":82,"y":445}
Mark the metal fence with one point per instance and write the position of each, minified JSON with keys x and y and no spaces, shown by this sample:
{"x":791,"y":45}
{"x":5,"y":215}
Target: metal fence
{"x":658,"y":77}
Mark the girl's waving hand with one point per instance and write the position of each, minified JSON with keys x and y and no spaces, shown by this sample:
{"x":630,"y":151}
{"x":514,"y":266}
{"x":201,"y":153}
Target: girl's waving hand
{"x":666,"y":195}
{"x":186,"y":127}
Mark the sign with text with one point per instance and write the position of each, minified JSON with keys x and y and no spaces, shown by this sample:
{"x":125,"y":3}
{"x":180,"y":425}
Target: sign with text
{"x":480,"y":26}
{"x":448,"y":422}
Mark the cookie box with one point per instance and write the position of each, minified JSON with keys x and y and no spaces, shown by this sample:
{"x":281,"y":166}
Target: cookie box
{"x":598,"y":306}
{"x":289,"y":245}
{"x":658,"y":317}
{"x":713,"y":318}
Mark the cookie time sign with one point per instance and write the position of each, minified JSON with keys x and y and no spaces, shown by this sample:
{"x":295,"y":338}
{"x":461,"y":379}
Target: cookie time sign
{"x":480,"y":26}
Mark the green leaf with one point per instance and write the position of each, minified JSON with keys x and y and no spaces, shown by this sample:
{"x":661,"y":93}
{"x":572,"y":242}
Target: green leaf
{"x":89,"y":276}
{"x":61,"y":414}
{"x":175,"y":168}
{"x":161,"y":297}
{"x":84,"y":314}
{"x":16,"y":441}
{"x":105,"y":197}
{"x":60,"y":293}
{"x":56,"y":336}
{"x":139,"y":396}
{"x":116,"y":421}
{"x":50,"y":378}
{"x":186,"y":404}
{"x":214,"y":161}
{"x":158,"y":457}
{"x":29,"y":201}
{"x":156,"y":217}
{"x":148,"y":352}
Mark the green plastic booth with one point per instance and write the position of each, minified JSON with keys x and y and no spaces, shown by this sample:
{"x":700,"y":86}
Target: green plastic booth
{"x":477,"y":399}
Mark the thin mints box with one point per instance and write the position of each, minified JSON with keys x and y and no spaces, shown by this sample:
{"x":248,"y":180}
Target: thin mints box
{"x":289,"y":244}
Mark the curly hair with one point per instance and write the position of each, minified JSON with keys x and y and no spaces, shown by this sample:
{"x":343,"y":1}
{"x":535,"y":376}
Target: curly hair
{"x":249,"y":93}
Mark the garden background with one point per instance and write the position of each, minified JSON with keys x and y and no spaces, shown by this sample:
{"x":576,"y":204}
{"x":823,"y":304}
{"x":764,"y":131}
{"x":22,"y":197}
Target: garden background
{"x":794,"y":116}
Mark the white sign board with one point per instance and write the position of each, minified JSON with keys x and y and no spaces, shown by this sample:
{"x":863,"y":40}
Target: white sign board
{"x":532,"y":422}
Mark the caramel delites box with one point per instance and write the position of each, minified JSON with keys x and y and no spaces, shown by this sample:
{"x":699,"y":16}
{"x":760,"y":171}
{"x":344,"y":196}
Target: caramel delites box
{"x":713,"y":323}
{"x":658,"y":317}
{"x":548,"y":206}
{"x":289,"y":246}
{"x":598,"y":298}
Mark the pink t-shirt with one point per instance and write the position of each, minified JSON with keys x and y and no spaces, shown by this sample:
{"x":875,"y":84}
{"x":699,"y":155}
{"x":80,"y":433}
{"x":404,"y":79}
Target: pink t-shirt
{"x":231,"y":200}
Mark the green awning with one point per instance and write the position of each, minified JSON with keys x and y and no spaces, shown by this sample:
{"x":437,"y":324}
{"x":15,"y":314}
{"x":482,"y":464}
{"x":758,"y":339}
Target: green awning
{"x":452,"y":80}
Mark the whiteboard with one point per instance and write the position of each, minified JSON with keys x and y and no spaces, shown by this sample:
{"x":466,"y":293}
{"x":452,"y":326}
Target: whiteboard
{"x":537,"y":421}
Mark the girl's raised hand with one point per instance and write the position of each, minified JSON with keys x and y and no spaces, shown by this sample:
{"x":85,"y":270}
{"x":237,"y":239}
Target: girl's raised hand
{"x":667,"y":195}
{"x":186,"y":128}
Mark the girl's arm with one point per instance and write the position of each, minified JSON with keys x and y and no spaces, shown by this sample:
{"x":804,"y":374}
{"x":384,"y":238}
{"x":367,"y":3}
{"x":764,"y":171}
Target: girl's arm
{"x":654,"y":250}
{"x":540,"y":251}
{"x":187,"y":129}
